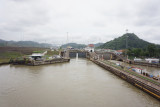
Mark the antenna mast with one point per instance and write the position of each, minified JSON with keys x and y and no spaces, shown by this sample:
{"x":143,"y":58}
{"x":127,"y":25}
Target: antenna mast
{"x":67,"y":37}
{"x":126,"y":30}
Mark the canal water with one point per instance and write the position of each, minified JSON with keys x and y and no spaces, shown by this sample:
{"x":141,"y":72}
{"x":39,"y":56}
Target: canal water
{"x":79,"y":83}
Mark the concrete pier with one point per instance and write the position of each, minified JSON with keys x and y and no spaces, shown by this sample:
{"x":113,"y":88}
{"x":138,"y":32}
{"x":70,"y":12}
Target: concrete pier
{"x":41,"y":62}
{"x":61,"y":60}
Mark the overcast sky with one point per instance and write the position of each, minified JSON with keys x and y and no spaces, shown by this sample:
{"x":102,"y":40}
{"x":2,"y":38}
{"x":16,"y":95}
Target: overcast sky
{"x":87,"y":21}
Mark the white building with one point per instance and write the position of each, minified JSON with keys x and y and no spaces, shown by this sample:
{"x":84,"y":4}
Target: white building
{"x":137,"y":59}
{"x":152,"y":60}
{"x":38,"y":56}
{"x":89,"y":48}
{"x":118,"y":52}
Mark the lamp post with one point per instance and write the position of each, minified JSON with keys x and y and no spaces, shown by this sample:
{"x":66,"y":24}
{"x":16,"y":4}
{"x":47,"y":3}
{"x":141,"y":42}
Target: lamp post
{"x":126,"y":47}
{"x":126,"y":42}
{"x":67,"y":37}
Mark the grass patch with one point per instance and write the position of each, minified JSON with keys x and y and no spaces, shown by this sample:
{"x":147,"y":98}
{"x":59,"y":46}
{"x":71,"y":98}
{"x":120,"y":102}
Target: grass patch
{"x":37,"y":51}
{"x":2,"y":60}
{"x":6,"y":56}
{"x":51,"y":53}
{"x":10,"y":54}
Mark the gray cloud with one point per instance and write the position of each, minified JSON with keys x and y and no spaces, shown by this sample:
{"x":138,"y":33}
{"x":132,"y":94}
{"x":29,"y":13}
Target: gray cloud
{"x":149,"y":14}
{"x":85,"y":20}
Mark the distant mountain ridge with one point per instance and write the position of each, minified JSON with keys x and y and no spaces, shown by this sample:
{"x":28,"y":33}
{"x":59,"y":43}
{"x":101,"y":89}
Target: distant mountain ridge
{"x":133,"y":41}
{"x":74,"y":45}
{"x":79,"y":46}
{"x":98,"y":44}
{"x":23,"y":43}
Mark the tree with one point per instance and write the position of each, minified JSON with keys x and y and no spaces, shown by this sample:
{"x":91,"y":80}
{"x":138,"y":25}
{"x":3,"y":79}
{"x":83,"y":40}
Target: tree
{"x":158,"y":52}
{"x":152,"y":50}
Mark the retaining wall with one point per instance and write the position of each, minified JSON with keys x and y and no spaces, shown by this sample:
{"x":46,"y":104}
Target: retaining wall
{"x":145,"y":87}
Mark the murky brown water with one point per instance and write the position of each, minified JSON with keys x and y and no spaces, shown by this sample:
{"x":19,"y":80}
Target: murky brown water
{"x":79,"y":83}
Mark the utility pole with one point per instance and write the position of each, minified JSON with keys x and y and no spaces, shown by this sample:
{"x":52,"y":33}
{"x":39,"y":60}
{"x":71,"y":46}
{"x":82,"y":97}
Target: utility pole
{"x":126,"y":30}
{"x":126,"y":42}
{"x":45,"y":44}
{"x":126,"y":38}
{"x":67,"y":37}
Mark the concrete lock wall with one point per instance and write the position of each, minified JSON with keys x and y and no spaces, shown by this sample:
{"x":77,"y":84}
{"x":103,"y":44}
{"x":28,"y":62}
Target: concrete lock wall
{"x":105,"y":56}
{"x":145,"y":87}
{"x":80,"y":54}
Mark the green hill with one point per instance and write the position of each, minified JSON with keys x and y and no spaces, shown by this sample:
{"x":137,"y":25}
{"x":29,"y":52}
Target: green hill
{"x":133,"y":41}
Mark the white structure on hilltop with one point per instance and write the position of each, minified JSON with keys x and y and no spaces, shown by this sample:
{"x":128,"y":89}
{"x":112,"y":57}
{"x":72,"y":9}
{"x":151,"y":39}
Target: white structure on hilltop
{"x":69,"y":47}
{"x":89,"y":48}
{"x":118,"y":52}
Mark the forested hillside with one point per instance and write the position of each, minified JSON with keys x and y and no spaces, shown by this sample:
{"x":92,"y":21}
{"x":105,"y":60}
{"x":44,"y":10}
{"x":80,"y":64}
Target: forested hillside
{"x":132,"y":40}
